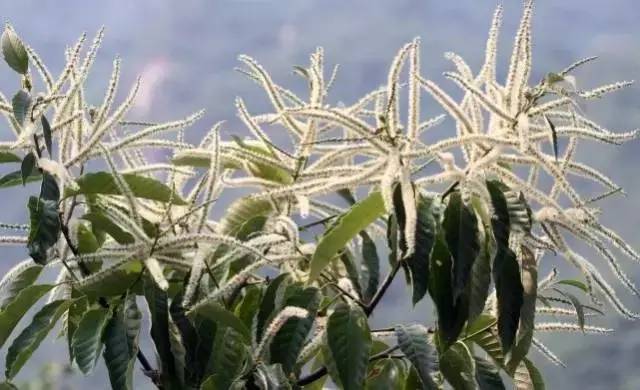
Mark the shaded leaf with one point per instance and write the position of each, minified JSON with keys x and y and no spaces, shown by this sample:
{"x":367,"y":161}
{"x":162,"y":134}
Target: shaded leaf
{"x":30,"y":338}
{"x":487,"y":375}
{"x":270,"y":377}
{"x":27,"y":167}
{"x":100,"y":222}
{"x":458,"y":367}
{"x":414,"y":343}
{"x":418,"y":262}
{"x":44,"y":228}
{"x":15,"y":178}
{"x":385,"y":374}
{"x":575,"y":302}
{"x":230,"y":352}
{"x":215,"y":312}
{"x":349,"y":342}
{"x":49,"y":189}
{"x":8,"y":157}
{"x":344,"y":229}
{"x":158,"y":303}
{"x":26,"y":276}
{"x":87,"y":339}
{"x":554,"y":135}
{"x":21,"y":104}
{"x":46,"y":132}
{"x":120,"y":345}
{"x":369,"y":268}
{"x":527,"y":377}
{"x":269,"y":301}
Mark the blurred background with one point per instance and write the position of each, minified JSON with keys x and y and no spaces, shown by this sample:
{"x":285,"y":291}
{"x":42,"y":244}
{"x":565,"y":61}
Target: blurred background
{"x":186,"y":52}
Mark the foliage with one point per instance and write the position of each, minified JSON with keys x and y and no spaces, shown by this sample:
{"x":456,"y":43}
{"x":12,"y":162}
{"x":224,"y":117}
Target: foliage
{"x":277,"y":293}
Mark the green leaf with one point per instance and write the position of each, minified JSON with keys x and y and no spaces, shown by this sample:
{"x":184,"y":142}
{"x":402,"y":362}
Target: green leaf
{"x":488,"y":375}
{"x":418,"y":263}
{"x":14,"y":52}
{"x":480,"y":282}
{"x":385,"y":374}
{"x":451,"y":316}
{"x":141,"y":186}
{"x":120,"y":344}
{"x":575,"y":302}
{"x":289,"y":340}
{"x":488,"y":340}
{"x":230,"y":353}
{"x":8,"y":157}
{"x":215,"y":312}
{"x":44,"y":228}
{"x":349,"y":341}
{"x":15,"y":178}
{"x":458,"y":367}
{"x":25,"y":275}
{"x":554,"y":135}
{"x":506,"y":270}
{"x":574,"y":283}
{"x":7,"y":386}
{"x":270,"y":377}
{"x":461,"y":231}
{"x":369,"y":268}
{"x":112,"y":282}
{"x":49,"y":189}
{"x":87,"y":241}
{"x":527,"y":377}
{"x":21,"y":104}
{"x":29,"y":340}
{"x":241,"y":211}
{"x":527,"y":311}
{"x":414,"y":343}
{"x":46,"y":132}
{"x":86,"y":343}
{"x":248,"y":307}
{"x":27,"y":167}
{"x":15,"y":309}
{"x":101,"y":222}
{"x":157,"y":301}
{"x":344,"y":229}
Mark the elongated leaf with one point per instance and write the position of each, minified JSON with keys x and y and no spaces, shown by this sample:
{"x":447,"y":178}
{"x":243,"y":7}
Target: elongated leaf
{"x":369,"y":268}
{"x":112,"y":282}
{"x":451,"y":316}
{"x":270,"y":377}
{"x":488,"y":375}
{"x":554,"y":136}
{"x":21,"y":104}
{"x":489,"y":341}
{"x":241,"y":211}
{"x":87,"y":339}
{"x":49,"y":189}
{"x":158,"y":303}
{"x":458,"y":367}
{"x":461,"y":231}
{"x":29,"y":340}
{"x":26,"y":273}
{"x":349,"y":341}
{"x":230,"y":352}
{"x":506,"y":270}
{"x":575,"y":302}
{"x":27,"y":167}
{"x":215,"y":312}
{"x":15,"y":178}
{"x":414,"y":343}
{"x":574,"y":283}
{"x":15,"y":309}
{"x":480,"y":281}
{"x":87,"y":241}
{"x":269,"y":301}
{"x":44,"y":229}
{"x":247,"y":309}
{"x":141,"y":187}
{"x":344,"y":229}
{"x":418,"y":262}
{"x":46,"y":132}
{"x":528,"y":310}
{"x":14,"y":52}
{"x":527,"y":377}
{"x":289,"y":341}
{"x":8,"y":157}
{"x":120,"y":345}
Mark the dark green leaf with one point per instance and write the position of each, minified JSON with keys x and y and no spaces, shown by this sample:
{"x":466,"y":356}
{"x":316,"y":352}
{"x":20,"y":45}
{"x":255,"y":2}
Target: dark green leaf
{"x":349,"y":341}
{"x":87,"y":339}
{"x":44,"y":228}
{"x":488,"y":340}
{"x":461,"y":231}
{"x":345,"y":228}
{"x":414,"y":343}
{"x":121,"y":346}
{"x":418,"y":262}
{"x":480,"y":281}
{"x":141,"y":187}
{"x":369,"y":268}
{"x":270,"y":377}
{"x":13,"y":311}
{"x":46,"y":132}
{"x":215,"y":312}
{"x":27,"y":167}
{"x":8,"y":157}
{"x":289,"y":340}
{"x":158,"y":303}
{"x":385,"y":374}
{"x":7,"y":386}
{"x":506,"y":270}
{"x":269,"y":301}
{"x":230,"y":352}
{"x":575,"y":283}
{"x":29,"y":340}
{"x":575,"y":302}
{"x":21,"y":104}
{"x":49,"y":189}
{"x":14,"y":52}
{"x":247,"y":309}
{"x":458,"y":367}
{"x":554,"y":136}
{"x":488,"y":375}
{"x":114,"y":283}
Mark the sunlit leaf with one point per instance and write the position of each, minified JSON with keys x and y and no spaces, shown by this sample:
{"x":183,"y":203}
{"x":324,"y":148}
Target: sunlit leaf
{"x":414,"y":343}
{"x":15,"y":309}
{"x":14,"y":52}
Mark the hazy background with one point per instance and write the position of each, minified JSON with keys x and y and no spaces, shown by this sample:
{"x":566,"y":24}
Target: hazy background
{"x":186,"y":51}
